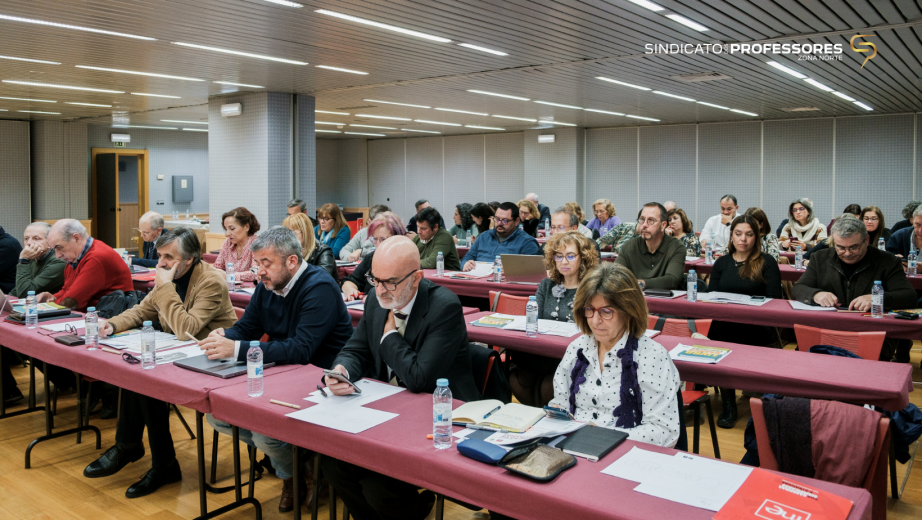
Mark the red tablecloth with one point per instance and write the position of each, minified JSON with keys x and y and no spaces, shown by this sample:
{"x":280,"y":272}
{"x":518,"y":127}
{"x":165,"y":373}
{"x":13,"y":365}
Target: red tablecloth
{"x":480,"y":287}
{"x":165,"y":382}
{"x":209,"y":257}
{"x":399,"y":448}
{"x":758,"y":369}
{"x":788,"y":273}
{"x":345,"y":270}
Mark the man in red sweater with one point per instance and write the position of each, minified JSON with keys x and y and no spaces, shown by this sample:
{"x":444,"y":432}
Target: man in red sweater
{"x":93,"y":269}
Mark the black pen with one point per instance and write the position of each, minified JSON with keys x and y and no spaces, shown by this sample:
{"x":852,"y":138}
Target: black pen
{"x":321,"y":391}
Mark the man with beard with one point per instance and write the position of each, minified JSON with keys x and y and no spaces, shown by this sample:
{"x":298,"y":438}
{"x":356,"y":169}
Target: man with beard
{"x":411,"y":334}
{"x":655,"y":258}
{"x":505,"y":239}
{"x":301,"y":308}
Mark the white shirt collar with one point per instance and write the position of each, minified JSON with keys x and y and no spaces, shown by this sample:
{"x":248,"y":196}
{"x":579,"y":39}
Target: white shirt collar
{"x":294,"y":279}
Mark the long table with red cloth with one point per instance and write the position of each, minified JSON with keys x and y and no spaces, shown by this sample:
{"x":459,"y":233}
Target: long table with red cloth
{"x":757,"y":369}
{"x":479,"y":287}
{"x":788,"y":273}
{"x":399,"y":448}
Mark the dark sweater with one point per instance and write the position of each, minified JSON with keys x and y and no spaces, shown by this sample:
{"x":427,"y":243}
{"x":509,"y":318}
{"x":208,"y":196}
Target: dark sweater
{"x":905,"y":223}
{"x":43,"y":275}
{"x":149,"y":256}
{"x":725,"y":277}
{"x":547,"y":302}
{"x":357,"y":276}
{"x":899,"y":242}
{"x":309,"y":325}
{"x":9,"y":257}
{"x":531,"y":226}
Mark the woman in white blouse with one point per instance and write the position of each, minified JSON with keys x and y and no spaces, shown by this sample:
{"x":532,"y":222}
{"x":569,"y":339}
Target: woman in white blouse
{"x":635,"y":385}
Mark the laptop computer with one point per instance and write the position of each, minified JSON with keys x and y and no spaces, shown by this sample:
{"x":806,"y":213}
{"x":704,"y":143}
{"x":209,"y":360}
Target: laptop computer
{"x":5,"y":304}
{"x":524,"y":269}
{"x":223,"y":368}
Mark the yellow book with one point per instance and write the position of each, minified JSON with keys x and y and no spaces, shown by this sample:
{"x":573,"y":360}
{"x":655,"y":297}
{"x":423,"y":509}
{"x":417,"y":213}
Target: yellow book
{"x":513,"y":417}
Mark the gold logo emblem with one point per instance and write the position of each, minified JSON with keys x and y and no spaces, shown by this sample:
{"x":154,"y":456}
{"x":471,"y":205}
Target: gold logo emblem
{"x":865,"y":47}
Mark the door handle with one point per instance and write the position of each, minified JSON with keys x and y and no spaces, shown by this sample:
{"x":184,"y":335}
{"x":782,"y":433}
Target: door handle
{"x":120,"y":209}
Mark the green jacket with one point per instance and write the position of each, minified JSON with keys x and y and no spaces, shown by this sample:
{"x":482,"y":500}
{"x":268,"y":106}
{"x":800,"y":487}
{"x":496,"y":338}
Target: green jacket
{"x":429,"y":252}
{"x":44,"y":275}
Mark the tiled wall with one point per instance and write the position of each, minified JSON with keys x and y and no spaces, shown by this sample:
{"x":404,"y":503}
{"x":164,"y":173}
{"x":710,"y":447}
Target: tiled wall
{"x":60,"y":171}
{"x":15,"y":209}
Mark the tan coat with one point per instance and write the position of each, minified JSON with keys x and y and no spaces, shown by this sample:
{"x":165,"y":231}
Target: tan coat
{"x":207,"y":306}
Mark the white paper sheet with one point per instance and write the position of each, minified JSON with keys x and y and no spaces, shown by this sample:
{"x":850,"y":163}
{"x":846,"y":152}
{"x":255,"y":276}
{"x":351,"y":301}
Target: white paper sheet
{"x":248,"y":290}
{"x":725,"y":297}
{"x":132,"y":341}
{"x":170,"y":356}
{"x":692,"y":258}
{"x":350,"y":419}
{"x":549,"y":327}
{"x":59,"y":327}
{"x":798,"y":306}
{"x":480,"y":270}
{"x":546,"y":427}
{"x":371,"y":392}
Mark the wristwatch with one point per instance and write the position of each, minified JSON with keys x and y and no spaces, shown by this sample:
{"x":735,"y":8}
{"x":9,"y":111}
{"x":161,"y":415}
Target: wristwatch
{"x":643,"y":286}
{"x":25,"y":261}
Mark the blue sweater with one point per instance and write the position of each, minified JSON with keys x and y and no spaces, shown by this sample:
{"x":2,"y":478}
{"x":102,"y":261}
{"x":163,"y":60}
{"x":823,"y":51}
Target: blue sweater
{"x":487,"y":246}
{"x":309,"y":325}
{"x":899,"y":242}
{"x":336,"y":243}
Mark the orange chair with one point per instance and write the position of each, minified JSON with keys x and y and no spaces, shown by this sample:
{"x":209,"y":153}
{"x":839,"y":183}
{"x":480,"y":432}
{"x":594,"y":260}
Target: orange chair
{"x":354,"y":226}
{"x":876,"y":479}
{"x":867,"y":345}
{"x":507,"y":304}
{"x":691,"y":398}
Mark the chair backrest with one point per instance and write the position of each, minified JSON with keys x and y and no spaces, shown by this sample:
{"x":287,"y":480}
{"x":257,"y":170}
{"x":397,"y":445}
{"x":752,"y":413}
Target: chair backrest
{"x":354,"y":226}
{"x":767,"y":458}
{"x":507,"y":304}
{"x":239,"y":312}
{"x":865,"y":344}
{"x":491,"y":383}
{"x":676,"y":327}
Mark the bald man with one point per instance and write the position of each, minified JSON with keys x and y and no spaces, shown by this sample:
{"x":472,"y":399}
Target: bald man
{"x":151,"y":227}
{"x":412,"y":334}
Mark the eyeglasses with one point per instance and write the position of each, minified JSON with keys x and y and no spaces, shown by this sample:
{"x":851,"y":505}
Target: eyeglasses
{"x":387,"y":284}
{"x":599,"y":211}
{"x":799,"y":210}
{"x":649,"y":221}
{"x":853,"y":249}
{"x":68,"y":329}
{"x":325,"y":219}
{"x":559,"y":229}
{"x":502,"y":221}
{"x":128,"y":358}
{"x":871,"y":219}
{"x":607,"y":313}
{"x":570,"y":257}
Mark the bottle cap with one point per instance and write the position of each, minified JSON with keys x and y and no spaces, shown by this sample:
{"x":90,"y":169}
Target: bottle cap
{"x":498,"y":258}
{"x":91,"y":309}
{"x":146,"y":324}
{"x":530,"y":298}
{"x":440,"y":252}
{"x":877,"y":282}
{"x":691,"y":271}
{"x":30,"y":293}
{"x":442,"y":382}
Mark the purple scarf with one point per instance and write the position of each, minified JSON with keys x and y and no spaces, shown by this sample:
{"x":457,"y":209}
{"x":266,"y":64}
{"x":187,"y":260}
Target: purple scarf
{"x":630,"y":412}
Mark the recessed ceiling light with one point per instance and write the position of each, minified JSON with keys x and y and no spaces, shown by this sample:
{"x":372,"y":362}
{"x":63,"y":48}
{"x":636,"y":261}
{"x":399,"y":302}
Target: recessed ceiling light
{"x":327,"y":123}
{"x":713,"y":105}
{"x":862,"y":105}
{"x":87,"y":104}
{"x":638,"y":87}
{"x":185,"y":122}
{"x":420,"y":131}
{"x":483,"y":127}
{"x":743,"y":112}
{"x":558,"y":105}
{"x":818,"y":85}
{"x":383,"y":26}
{"x":687,"y":23}
{"x":603,"y":112}
{"x":327,"y":112}
{"x":463,"y":112}
{"x":195,"y":129}
{"x":239,"y":53}
{"x":660,"y":92}
{"x":372,"y":126}
{"x":137,"y":73}
{"x":238,"y":84}
{"x":517,"y":118}
{"x":38,"y":112}
{"x":286,"y":3}
{"x":436,"y":122}
{"x":395,"y":103}
{"x":75,"y":27}
{"x":555,"y":122}
{"x":846,"y":97}
{"x":385,"y":117}
{"x":499,"y":95}
{"x":27,"y":99}
{"x":28,"y":59}
{"x":154,"y":95}
{"x":328,"y":131}
{"x":68,"y":87}
{"x":648,"y":5}
{"x":3,"y":110}
{"x":144,"y":126}
{"x":787,"y":70}
{"x":360,"y":133}
{"x":350,"y":71}
{"x":483,"y":49}
{"x":641,"y":117}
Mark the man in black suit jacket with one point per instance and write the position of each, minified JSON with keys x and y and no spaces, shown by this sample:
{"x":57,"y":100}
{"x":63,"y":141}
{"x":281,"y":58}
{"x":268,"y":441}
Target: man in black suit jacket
{"x":151,"y":227}
{"x":413,"y":332}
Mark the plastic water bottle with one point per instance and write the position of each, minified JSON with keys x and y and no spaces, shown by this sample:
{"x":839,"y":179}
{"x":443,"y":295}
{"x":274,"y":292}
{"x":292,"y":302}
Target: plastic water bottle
{"x":148,"y":346}
{"x":470,"y":238}
{"x":441,"y":415}
{"x":230,"y":276}
{"x":692,"y":286}
{"x":254,"y":370}
{"x":531,"y":317}
{"x":91,"y":329}
{"x":877,"y":300}
{"x":126,"y":258}
{"x":709,"y":254}
{"x":547,"y":228}
{"x":188,"y":217}
{"x":31,"y":311}
{"x":798,"y":259}
{"x":498,"y":269}
{"x":440,"y":265}
{"x":882,"y":244}
{"x":911,"y":261}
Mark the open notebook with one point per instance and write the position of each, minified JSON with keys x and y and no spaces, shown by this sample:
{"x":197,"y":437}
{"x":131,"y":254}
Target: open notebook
{"x":513,"y":417}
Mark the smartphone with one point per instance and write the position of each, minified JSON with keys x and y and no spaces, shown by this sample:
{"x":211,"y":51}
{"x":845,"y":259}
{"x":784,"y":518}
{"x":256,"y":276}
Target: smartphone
{"x":341,"y":378}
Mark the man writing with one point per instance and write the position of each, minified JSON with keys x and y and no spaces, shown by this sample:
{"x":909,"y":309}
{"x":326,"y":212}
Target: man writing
{"x":301,"y":309}
{"x":412,"y":332}
{"x":189,"y":299}
{"x":151,"y":227}
{"x":432,"y":239}
{"x":504,"y":239}
{"x":719,"y":225}
{"x":655,"y":258}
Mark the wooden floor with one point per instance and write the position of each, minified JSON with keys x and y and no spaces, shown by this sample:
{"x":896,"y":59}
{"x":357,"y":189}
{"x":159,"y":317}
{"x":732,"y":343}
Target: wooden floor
{"x":55,"y":487}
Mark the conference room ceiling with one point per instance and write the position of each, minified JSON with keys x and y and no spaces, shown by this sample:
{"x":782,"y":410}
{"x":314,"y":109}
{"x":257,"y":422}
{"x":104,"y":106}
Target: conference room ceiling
{"x":555,"y":50}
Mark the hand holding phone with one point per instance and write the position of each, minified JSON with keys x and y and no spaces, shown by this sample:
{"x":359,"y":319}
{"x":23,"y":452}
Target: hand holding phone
{"x":338,"y":383}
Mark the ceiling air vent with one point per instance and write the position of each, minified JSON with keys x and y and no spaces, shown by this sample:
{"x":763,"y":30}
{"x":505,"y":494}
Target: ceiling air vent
{"x":800,"y":109}
{"x":701,"y":76}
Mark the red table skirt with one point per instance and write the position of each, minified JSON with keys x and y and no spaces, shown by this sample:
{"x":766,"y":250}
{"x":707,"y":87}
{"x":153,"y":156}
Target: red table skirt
{"x":209,"y":257}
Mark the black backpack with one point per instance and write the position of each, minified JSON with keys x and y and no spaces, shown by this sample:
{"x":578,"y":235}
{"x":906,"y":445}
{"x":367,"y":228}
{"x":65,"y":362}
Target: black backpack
{"x":117,"y":302}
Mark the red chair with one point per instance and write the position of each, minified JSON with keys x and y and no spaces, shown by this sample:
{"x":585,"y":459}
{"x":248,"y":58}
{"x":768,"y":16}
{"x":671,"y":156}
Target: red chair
{"x":507,"y":304}
{"x":354,"y":226}
{"x":875,"y":481}
{"x":691,"y":398}
{"x":866,"y":345}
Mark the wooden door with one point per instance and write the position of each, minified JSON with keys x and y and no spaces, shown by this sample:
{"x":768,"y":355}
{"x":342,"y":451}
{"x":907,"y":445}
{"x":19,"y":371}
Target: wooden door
{"x":107,"y":221}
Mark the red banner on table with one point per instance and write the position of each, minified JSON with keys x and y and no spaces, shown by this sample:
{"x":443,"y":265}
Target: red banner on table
{"x":770,"y":496}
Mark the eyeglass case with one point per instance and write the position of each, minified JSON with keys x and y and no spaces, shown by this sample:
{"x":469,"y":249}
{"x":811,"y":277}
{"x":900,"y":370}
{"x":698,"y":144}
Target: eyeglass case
{"x":71,"y":340}
{"x":537,"y":461}
{"x":481,"y":451}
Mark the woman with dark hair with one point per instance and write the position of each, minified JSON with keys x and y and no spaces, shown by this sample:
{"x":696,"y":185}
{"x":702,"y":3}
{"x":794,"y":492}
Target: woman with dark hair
{"x":240,"y":227}
{"x":463,"y":224}
{"x":853,"y":209}
{"x":482,"y":215}
{"x":803,"y":228}
{"x":873,"y":219}
{"x":332,"y":229}
{"x":769,"y":238}
{"x":680,"y":227}
{"x":744,"y":270}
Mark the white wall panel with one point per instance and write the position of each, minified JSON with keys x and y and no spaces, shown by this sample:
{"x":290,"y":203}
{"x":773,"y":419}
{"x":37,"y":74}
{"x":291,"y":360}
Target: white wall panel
{"x":387,"y":174}
{"x":504,"y":167}
{"x":729,"y":162}
{"x":424,"y":173}
{"x":15,"y":208}
{"x":667,"y":169}
{"x":611,"y":170}
{"x":464,"y":173}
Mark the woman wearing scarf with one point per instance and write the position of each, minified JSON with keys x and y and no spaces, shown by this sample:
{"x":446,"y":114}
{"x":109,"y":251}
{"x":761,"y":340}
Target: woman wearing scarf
{"x":803,"y":228}
{"x":332,"y":229}
{"x":613,"y":375}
